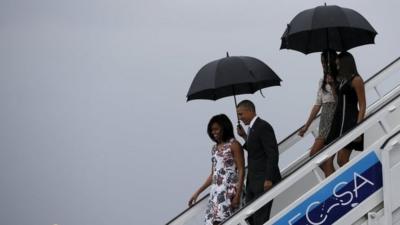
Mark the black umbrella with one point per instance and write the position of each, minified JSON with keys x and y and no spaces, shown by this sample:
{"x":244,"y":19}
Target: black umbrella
{"x":231,"y":76}
{"x":327,"y":27}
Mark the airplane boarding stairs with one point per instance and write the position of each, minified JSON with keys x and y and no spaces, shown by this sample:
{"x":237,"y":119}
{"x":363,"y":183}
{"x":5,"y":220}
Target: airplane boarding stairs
{"x":361,"y":192}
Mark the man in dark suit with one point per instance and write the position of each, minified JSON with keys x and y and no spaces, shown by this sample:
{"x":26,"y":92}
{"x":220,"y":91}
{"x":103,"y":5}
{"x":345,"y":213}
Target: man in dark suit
{"x":262,"y":158}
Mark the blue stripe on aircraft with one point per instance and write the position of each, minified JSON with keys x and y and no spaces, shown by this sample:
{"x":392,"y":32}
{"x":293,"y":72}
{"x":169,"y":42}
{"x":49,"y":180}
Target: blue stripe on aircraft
{"x":368,"y":167}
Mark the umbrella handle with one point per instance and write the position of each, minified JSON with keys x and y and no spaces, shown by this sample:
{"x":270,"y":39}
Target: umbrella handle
{"x":234,"y":97}
{"x":236,"y":105}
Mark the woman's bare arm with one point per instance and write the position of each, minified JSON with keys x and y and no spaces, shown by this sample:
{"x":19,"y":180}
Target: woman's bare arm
{"x":358,"y":85}
{"x":238,"y":156}
{"x":203,"y":187}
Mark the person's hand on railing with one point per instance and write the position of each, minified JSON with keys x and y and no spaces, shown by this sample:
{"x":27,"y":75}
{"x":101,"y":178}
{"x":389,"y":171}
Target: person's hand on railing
{"x":193,"y":199}
{"x":303,"y":130}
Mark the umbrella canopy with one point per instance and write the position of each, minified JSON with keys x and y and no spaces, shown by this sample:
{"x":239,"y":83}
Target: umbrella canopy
{"x":327,"y":27}
{"x":231,"y":76}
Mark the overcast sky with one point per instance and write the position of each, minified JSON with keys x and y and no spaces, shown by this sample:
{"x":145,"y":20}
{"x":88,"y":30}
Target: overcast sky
{"x":94,"y":124}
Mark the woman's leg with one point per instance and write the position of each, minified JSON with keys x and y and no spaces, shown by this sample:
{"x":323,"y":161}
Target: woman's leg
{"x":343,"y":156}
{"x":319,"y":143}
{"x":327,"y":165}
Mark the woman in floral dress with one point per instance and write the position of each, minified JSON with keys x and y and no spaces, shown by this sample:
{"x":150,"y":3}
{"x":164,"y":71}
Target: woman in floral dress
{"x":227,"y":172}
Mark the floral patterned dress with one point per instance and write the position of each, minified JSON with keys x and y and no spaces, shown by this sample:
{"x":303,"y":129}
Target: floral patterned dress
{"x":327,"y":100}
{"x":224,"y":184}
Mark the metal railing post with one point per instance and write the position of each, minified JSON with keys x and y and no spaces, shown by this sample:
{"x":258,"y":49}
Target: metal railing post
{"x":387,"y":182}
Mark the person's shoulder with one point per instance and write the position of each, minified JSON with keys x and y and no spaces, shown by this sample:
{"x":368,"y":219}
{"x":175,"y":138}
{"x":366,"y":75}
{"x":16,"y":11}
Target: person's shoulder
{"x":357,"y":80}
{"x":235,"y":143}
{"x":264,"y":123}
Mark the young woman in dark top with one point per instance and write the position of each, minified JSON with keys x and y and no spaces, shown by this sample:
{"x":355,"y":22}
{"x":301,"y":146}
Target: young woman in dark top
{"x":351,"y":105}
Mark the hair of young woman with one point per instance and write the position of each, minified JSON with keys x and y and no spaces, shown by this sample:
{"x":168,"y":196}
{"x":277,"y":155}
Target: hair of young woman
{"x":347,"y":65}
{"x":329,"y":56}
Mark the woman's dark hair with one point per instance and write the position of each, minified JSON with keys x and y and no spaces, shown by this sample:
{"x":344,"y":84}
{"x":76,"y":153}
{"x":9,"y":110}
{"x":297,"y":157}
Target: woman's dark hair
{"x":347,"y":65}
{"x":328,"y":59}
{"x":226,"y":126}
